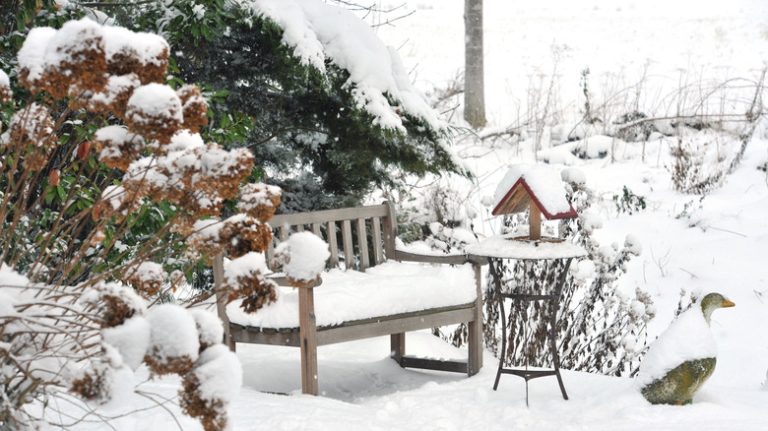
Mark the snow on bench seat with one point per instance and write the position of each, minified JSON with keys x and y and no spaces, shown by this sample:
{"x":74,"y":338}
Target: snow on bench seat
{"x":384,"y":290}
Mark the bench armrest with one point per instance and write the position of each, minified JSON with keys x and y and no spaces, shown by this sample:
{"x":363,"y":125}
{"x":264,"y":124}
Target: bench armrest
{"x":456,"y":259}
{"x":281,"y":280}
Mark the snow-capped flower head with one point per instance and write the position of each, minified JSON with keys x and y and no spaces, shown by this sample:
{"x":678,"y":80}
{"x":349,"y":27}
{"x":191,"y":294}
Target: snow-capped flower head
{"x":130,"y":339}
{"x":241,"y":234}
{"x":174,"y":341}
{"x":144,"y":54}
{"x":31,"y":58}
{"x":117,"y":147}
{"x":74,"y":55}
{"x":209,"y":388}
{"x":114,"y":97}
{"x":303,"y":257}
{"x":31,"y":131}
{"x":259,"y":200}
{"x":114,"y":302}
{"x":194,"y":107}
{"x":244,"y":277}
{"x":222,"y":171}
{"x":148,"y":278}
{"x":209,"y":328}
{"x":154,"y":111}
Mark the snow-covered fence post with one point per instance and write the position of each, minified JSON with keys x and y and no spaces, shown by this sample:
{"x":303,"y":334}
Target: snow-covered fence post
{"x":303,"y":258}
{"x":220,"y":289}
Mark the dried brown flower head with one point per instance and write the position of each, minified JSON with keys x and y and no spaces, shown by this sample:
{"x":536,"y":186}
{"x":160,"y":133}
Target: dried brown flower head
{"x":241,"y":234}
{"x":92,"y":385}
{"x":117,"y":147}
{"x":168,"y":365}
{"x":154,"y":111}
{"x":259,"y":200}
{"x":222,"y":171}
{"x":148,"y":278}
{"x":211,"y":413}
{"x":31,"y":132}
{"x":144,"y":54}
{"x":194,"y":107}
{"x":75,"y":56}
{"x":114,"y":97}
{"x":115,"y":303}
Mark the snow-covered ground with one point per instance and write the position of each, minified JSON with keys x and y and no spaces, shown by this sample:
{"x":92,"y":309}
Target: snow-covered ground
{"x":720,"y":246}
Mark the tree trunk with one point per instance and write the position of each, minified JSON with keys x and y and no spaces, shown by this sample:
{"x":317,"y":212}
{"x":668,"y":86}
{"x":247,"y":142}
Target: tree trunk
{"x":474,"y":89}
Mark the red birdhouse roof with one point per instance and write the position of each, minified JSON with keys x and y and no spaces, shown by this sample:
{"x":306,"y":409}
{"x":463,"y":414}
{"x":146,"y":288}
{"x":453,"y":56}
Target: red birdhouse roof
{"x":542,"y":185}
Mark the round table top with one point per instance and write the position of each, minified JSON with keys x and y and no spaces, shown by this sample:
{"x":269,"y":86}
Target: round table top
{"x":506,"y":247}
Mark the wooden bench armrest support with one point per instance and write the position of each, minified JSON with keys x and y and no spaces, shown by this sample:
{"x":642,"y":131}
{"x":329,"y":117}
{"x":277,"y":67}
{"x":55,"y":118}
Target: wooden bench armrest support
{"x":456,"y":259}
{"x":404,"y":256}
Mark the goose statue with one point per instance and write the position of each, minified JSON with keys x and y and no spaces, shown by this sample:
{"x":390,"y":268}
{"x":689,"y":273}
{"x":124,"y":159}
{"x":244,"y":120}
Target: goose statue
{"x":683,"y":357}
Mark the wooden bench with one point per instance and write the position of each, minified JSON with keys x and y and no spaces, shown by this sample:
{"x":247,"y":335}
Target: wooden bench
{"x":359,"y":238}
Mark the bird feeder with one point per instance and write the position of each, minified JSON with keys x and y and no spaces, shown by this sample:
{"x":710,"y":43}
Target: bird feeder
{"x":538,"y":189}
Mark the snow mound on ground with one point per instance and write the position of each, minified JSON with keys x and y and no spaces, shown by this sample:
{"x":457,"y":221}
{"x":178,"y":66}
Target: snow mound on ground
{"x":687,"y":338}
{"x":318,"y":32}
{"x":545,"y":183}
{"x":305,"y":255}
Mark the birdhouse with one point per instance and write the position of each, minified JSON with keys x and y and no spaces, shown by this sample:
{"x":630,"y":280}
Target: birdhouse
{"x":538,"y":189}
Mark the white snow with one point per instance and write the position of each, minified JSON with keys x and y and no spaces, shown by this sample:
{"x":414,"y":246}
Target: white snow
{"x":131,"y":339}
{"x":504,"y":246}
{"x":155,"y":100}
{"x":184,"y":140}
{"x":573,"y":175}
{"x":146,"y":47}
{"x":720,"y":247}
{"x":687,"y":338}
{"x":244,"y":266}
{"x":174,"y":332}
{"x":115,"y":86}
{"x":150,"y":271}
{"x":5,"y":82}
{"x":209,"y":327}
{"x":382,"y":290}
{"x":545,"y":183}
{"x":318,"y":31}
{"x":71,"y":38}
{"x":304,"y":255}
{"x":219,"y":373}
{"x":32,"y":53}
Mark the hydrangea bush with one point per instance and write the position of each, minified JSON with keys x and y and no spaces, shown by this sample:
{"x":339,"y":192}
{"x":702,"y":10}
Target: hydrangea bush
{"x":73,"y":322}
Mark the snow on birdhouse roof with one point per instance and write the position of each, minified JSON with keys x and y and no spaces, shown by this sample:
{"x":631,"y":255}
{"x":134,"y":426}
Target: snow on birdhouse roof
{"x":542,"y":184}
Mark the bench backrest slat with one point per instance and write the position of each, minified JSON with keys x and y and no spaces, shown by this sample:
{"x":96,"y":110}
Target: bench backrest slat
{"x":360,"y":247}
{"x":332,"y":244}
{"x":362,"y":241}
{"x":378,"y":244}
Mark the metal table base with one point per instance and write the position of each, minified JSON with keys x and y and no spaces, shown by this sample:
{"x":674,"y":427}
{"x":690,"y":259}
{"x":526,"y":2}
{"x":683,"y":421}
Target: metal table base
{"x":554,"y":300}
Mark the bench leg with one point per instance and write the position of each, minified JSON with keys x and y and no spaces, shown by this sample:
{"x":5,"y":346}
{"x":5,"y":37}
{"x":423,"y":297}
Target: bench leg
{"x":397,"y":347}
{"x":308,"y":340}
{"x":475,"y":359}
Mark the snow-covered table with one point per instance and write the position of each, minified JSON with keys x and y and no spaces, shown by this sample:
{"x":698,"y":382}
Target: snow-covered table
{"x":546,"y":262}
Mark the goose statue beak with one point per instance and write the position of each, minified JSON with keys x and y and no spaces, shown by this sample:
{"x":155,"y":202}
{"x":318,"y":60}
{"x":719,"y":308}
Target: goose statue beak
{"x":728,"y":303}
